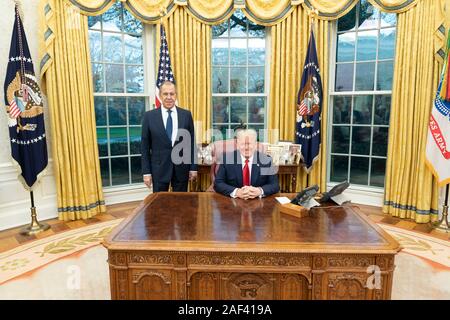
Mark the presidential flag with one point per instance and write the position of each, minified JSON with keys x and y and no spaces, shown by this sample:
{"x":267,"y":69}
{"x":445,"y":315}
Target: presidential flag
{"x":438,"y":141}
{"x":25,"y":109}
{"x":309,"y":106}
{"x":165,"y":68}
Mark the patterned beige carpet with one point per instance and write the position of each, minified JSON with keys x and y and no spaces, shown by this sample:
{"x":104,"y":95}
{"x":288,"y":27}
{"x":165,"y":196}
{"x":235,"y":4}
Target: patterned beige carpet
{"x":73,"y":265}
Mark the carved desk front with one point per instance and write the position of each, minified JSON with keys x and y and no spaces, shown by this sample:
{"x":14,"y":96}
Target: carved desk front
{"x":207,"y":246}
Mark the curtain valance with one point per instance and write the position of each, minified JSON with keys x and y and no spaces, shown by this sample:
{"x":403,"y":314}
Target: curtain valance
{"x":264,"y":12}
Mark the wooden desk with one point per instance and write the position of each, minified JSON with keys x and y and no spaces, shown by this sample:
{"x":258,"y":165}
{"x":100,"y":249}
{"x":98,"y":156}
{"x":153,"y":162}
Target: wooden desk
{"x":288,"y":169}
{"x":207,"y":246}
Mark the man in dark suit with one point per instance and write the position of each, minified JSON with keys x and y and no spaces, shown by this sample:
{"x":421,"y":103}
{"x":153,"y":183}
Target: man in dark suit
{"x":246,"y":173}
{"x":168,"y":144}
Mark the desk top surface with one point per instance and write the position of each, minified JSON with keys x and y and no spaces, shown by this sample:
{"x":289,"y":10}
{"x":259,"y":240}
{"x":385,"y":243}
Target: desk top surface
{"x":210,"y":221}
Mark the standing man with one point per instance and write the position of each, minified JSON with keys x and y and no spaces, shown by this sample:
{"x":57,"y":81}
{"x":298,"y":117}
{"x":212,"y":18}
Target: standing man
{"x":250,"y":175}
{"x":168,"y":144}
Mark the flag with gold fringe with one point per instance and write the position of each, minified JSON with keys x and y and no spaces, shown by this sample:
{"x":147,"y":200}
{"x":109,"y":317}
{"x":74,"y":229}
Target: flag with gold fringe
{"x":25,"y":109}
{"x":438,"y":142}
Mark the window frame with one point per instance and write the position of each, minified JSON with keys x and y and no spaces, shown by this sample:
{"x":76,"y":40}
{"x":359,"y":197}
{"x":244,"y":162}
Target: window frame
{"x":265,"y":94}
{"x":366,"y":194}
{"x":148,"y":63}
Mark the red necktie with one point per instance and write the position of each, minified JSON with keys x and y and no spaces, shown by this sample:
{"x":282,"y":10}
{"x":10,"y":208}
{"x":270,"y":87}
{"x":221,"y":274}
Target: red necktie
{"x":246,"y":174}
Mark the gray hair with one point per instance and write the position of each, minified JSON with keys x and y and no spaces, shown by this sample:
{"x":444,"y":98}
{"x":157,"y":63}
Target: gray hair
{"x":241,"y":134}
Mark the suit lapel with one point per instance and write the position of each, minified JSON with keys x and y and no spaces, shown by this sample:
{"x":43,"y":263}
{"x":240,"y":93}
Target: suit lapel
{"x":255,"y":170}
{"x":161,"y":127}
{"x":238,"y":168}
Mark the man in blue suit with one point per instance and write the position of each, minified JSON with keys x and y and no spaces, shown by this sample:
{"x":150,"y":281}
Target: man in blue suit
{"x":246,"y":173}
{"x":168,"y":144}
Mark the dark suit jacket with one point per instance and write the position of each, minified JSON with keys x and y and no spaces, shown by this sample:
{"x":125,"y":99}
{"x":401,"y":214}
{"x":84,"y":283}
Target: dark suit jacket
{"x":156,"y":147}
{"x":229,"y":175}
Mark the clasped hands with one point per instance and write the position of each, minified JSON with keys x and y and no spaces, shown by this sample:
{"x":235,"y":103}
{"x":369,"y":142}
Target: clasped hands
{"x":248,"y":192}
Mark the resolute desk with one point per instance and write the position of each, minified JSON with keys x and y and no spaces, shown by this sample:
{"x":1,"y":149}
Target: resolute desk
{"x":208,"y":246}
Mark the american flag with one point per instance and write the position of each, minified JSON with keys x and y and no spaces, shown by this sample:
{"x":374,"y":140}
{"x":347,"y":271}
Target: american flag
{"x":165,"y":68}
{"x":14,"y":110}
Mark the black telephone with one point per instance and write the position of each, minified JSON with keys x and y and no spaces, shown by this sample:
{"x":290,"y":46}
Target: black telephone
{"x":337,"y":189}
{"x":306,"y":194}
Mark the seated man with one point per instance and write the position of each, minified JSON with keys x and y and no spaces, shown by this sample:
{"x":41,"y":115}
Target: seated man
{"x":246,"y":173}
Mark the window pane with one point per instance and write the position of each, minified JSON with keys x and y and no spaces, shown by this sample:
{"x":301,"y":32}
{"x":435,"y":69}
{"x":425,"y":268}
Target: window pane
{"x":362,"y":110}
{"x":112,"y":44}
{"x":238,"y":26}
{"x":119,"y":171}
{"x":238,"y":48}
{"x":136,"y":110}
{"x":385,"y":75}
{"x":133,"y":49}
{"x":378,"y":172}
{"x":382,"y":110}
{"x":256,"y":109}
{"x":97,"y":77}
{"x":220,"y":80}
{"x":118,"y":141}
{"x":220,"y":109}
{"x":346,"y":47}
{"x":361,"y":140}
{"x":341,"y":109}
{"x":131,"y":24}
{"x":136,"y":171}
{"x":367,"y":45}
{"x":255,"y":30}
{"x":365,"y":73}
{"x":117,"y":111}
{"x":368,"y":16}
{"x":344,"y":77}
{"x":238,"y":106}
{"x":94,"y":22}
{"x":223,"y":132}
{"x":100,"y":111}
{"x":348,"y":21}
{"x":114,"y":77}
{"x":341,"y":139}
{"x":380,"y":140}
{"x":102,"y":142}
{"x":112,"y":19}
{"x":339,"y":168}
{"x":220,"y":51}
{"x":104,"y":171}
{"x":95,"y":45}
{"x":238,"y":81}
{"x":220,"y":30}
{"x":256,"y":51}
{"x":256,"y":79}
{"x":359,"y":170}
{"x":388,"y":19}
{"x":135,"y":79}
{"x":259,"y":131}
{"x":135,"y":140}
{"x":386,"y":47}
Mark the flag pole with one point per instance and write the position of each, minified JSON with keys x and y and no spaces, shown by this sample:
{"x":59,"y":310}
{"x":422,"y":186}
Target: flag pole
{"x":35,"y":226}
{"x":443,"y":223}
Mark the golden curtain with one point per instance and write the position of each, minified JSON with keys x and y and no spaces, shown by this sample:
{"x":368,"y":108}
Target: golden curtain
{"x":66,"y":75}
{"x":190,"y":52}
{"x":288,"y":51}
{"x":410,"y":190}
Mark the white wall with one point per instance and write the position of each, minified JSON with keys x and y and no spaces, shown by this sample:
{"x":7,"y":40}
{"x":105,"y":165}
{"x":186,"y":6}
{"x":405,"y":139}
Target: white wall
{"x":14,"y":199}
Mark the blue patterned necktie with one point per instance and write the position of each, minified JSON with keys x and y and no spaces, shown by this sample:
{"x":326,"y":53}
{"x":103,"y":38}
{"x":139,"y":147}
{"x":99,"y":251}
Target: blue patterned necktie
{"x":169,"y":125}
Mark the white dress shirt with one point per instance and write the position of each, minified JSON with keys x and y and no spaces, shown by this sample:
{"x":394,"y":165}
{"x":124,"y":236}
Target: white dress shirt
{"x":165,"y":115}
{"x":250,"y":163}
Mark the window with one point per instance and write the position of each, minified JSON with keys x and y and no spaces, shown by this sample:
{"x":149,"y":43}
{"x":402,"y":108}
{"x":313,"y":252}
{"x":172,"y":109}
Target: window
{"x":361,"y":96}
{"x":116,"y":41}
{"x":239,"y":94}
